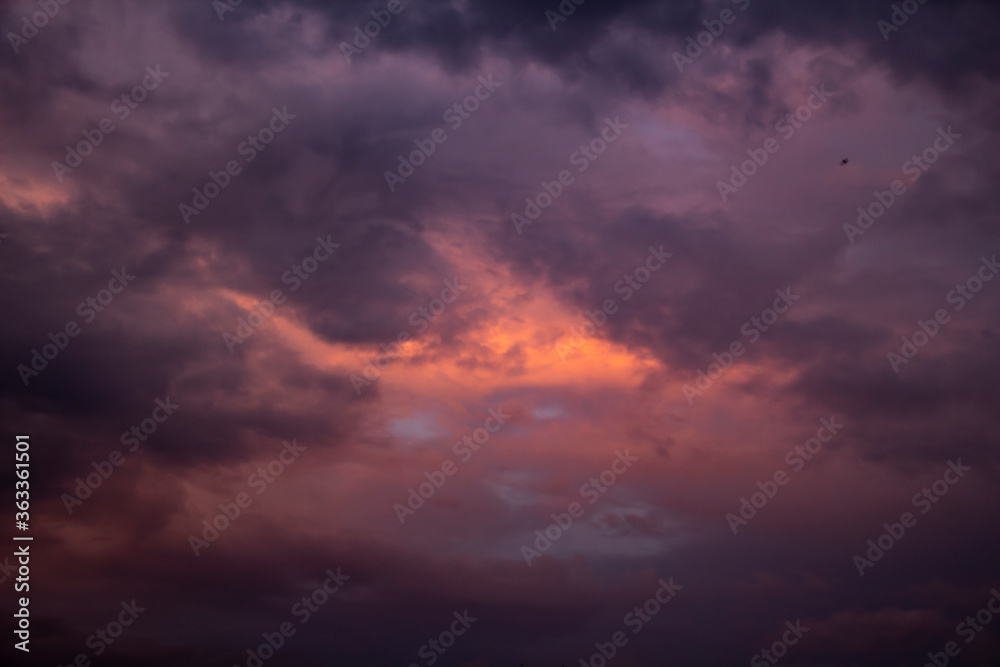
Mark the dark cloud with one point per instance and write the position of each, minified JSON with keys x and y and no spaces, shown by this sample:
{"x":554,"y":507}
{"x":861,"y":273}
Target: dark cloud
{"x":496,"y":345}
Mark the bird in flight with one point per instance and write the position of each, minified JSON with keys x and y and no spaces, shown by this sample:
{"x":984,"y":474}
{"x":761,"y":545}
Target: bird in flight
{"x":844,"y":161}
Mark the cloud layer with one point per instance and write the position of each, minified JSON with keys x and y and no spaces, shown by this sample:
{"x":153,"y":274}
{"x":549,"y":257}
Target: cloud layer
{"x":286,"y":289}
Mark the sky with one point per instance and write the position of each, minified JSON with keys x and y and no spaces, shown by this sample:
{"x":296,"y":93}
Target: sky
{"x":484,"y":334}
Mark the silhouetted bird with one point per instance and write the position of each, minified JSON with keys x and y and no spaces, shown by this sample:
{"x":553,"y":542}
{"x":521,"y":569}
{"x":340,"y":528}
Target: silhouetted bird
{"x":844,"y":161}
